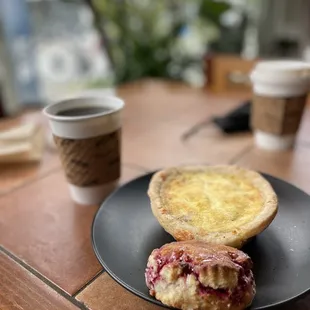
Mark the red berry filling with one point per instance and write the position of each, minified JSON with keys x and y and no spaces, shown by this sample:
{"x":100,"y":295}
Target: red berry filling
{"x":245,"y":281}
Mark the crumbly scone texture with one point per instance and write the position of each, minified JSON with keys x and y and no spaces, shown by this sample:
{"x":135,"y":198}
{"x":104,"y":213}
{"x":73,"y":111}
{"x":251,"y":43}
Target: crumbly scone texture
{"x":193,"y":275}
{"x":216,"y":204}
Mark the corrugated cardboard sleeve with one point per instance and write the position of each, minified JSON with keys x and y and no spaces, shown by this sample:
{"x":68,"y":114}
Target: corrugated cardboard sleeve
{"x":92,"y":161}
{"x":280,"y":116}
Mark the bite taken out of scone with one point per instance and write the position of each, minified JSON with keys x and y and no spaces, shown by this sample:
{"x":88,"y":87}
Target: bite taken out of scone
{"x":215,"y":204}
{"x":193,"y":275}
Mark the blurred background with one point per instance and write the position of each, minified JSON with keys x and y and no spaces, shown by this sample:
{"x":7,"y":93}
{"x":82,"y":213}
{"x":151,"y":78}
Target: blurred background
{"x":49,"y":48}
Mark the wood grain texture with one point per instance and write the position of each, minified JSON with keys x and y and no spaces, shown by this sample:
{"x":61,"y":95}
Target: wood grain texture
{"x":42,"y":226}
{"x":291,"y":165}
{"x":223,"y":69}
{"x":156,"y":117}
{"x":19,"y":289}
{"x":13,"y":176}
{"x":214,"y":147}
{"x":105,"y":293}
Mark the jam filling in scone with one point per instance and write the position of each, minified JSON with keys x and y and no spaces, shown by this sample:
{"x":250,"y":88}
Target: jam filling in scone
{"x":194,"y":275}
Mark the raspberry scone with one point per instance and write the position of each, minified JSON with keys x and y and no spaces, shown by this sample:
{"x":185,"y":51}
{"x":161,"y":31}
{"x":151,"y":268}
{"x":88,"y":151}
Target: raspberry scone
{"x":193,"y":275}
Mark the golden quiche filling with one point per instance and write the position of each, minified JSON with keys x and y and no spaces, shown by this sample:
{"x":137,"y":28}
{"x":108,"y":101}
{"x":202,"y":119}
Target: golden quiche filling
{"x":216,"y":204}
{"x":210,"y":201}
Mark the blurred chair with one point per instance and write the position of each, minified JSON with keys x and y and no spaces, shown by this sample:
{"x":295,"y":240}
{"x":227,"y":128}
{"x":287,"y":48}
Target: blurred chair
{"x":228,"y":73}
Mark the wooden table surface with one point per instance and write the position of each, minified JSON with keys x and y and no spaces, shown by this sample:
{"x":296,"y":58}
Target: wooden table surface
{"x":46,"y":257}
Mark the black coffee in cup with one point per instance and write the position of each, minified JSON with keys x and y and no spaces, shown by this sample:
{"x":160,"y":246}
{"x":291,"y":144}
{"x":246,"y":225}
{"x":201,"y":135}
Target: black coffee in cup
{"x":87,"y":133}
{"x":83,"y":111}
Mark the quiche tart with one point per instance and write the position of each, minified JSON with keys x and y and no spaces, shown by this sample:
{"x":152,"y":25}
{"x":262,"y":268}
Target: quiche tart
{"x":195,"y":275}
{"x":216,"y":204}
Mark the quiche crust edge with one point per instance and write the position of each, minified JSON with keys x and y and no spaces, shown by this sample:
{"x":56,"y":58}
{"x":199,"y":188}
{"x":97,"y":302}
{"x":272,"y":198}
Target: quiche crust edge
{"x":183,"y":230}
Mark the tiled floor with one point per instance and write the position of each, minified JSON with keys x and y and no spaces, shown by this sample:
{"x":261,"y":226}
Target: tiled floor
{"x":50,"y":235}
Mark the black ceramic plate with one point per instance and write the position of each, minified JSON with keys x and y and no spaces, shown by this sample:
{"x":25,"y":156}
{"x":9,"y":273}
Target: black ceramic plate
{"x":125,"y":232}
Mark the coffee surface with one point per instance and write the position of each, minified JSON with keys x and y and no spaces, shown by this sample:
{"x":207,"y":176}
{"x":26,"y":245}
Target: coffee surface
{"x":83,"y":111}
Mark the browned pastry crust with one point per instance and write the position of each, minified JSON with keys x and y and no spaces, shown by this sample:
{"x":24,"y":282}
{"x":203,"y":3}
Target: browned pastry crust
{"x":193,"y":275}
{"x":183,"y":229}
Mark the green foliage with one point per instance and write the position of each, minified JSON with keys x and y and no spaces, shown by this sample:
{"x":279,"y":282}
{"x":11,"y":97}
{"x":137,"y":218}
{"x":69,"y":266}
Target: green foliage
{"x":143,"y":36}
{"x":213,"y":10}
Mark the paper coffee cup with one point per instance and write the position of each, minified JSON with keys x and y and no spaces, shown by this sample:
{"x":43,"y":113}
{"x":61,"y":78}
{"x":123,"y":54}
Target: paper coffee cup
{"x":280,"y":90}
{"x":88,"y":144}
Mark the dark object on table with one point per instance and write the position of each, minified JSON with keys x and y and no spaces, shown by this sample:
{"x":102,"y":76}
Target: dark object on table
{"x":125,"y":232}
{"x":235,"y":121}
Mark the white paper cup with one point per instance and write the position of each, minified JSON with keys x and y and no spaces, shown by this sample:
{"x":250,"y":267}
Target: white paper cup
{"x":278,"y":86}
{"x":268,"y":141}
{"x":88,"y":145}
